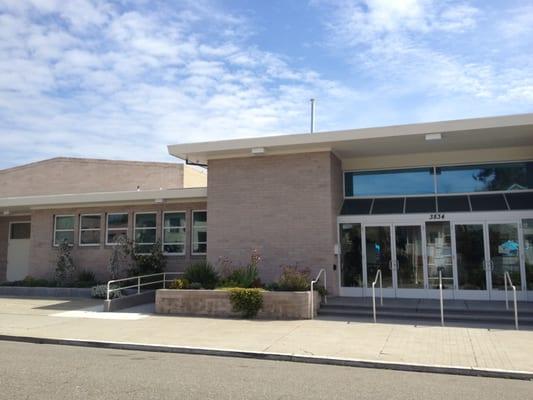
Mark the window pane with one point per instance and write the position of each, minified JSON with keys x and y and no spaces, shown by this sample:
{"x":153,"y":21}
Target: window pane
{"x":143,"y":248}
{"x":356,"y":206}
{"x":64,"y":235}
{"x":173,"y":248}
{"x":199,"y":218}
{"x":388,"y":206}
{"x":384,"y":183}
{"x":20,"y":231}
{"x":199,"y":248}
{"x":488,"y":202}
{"x":174,"y":235}
{"x":420,"y":205}
{"x":65,"y":222}
{"x":90,"y":222}
{"x":117,"y":220}
{"x":90,"y":237}
{"x":112,"y":236}
{"x":145,"y":220}
{"x":145,"y":235}
{"x":351,"y":261}
{"x":174,"y":220}
{"x":485,"y":178}
{"x":200,"y":236}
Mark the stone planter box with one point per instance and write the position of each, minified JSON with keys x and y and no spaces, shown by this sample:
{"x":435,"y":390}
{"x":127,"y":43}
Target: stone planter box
{"x":216,"y":303}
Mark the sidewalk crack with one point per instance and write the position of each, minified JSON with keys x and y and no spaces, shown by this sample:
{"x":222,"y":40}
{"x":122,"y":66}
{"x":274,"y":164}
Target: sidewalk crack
{"x":472,"y":347}
{"x":382,"y":352}
{"x":282,"y":337}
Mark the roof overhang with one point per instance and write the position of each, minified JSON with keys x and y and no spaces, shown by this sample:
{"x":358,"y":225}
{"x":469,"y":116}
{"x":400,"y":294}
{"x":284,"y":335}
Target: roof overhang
{"x":491,"y":132}
{"x":17,"y":205}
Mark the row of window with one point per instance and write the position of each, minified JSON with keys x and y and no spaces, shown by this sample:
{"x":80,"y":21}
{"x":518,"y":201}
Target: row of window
{"x":173,"y":235}
{"x":440,"y":180}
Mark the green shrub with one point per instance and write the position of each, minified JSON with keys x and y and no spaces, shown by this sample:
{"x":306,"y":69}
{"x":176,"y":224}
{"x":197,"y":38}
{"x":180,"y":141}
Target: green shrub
{"x":322,"y":291}
{"x":248,"y":302}
{"x":246,"y":277}
{"x":292,"y":279}
{"x":87,"y":277}
{"x":152,"y":263}
{"x":272,"y":286}
{"x":195,"y":285}
{"x":65,"y":266}
{"x":100,"y":292}
{"x":202,"y":272}
{"x":179,"y":284}
{"x":30,"y":281}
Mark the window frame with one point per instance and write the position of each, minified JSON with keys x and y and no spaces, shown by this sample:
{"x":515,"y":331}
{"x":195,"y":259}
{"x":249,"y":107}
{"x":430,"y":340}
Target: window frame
{"x":163,"y":243}
{"x":107,"y":228}
{"x":192,"y":233}
{"x":55,"y":230}
{"x":143,"y":228}
{"x":81,"y":229}
{"x":435,"y":179}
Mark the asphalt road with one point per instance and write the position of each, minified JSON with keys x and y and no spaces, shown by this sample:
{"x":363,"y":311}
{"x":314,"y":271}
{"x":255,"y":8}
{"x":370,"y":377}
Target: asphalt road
{"x":33,"y":371}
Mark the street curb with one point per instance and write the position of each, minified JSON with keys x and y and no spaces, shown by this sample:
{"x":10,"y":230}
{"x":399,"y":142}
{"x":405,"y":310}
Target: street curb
{"x":435,"y":369}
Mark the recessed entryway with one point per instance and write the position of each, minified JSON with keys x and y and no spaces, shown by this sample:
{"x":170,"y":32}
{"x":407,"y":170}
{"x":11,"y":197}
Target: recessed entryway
{"x":18,"y":250}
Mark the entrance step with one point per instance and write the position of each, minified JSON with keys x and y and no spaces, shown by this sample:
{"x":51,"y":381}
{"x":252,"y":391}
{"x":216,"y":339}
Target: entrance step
{"x":464,"y":312}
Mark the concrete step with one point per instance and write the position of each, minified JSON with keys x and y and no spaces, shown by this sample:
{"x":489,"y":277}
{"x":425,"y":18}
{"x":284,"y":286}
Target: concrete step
{"x":450,"y":310}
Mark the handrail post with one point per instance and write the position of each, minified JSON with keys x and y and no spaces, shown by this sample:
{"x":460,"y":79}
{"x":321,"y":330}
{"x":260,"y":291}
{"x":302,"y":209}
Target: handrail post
{"x":164,"y":280}
{"x":515,"y":309}
{"x":381,"y":286}
{"x":374,"y":300}
{"x":138,"y":285}
{"x":325,"y":287}
{"x":505,"y":285}
{"x":441,"y":299}
{"x":107,"y":292}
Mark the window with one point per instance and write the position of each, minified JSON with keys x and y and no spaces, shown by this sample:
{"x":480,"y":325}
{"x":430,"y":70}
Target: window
{"x":20,"y":230}
{"x":485,"y":178}
{"x":145,"y":232}
{"x":199,"y":232}
{"x":389,"y":183}
{"x":63,"y":229}
{"x":174,"y":232}
{"x":117,"y":226}
{"x":90,"y":229}
{"x":351,"y":255}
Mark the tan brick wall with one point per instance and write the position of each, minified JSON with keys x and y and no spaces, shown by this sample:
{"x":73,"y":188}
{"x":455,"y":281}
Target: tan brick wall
{"x":68,"y":175}
{"x":194,"y":177}
{"x":4,"y":238}
{"x":284,"y":206}
{"x":95,"y":258}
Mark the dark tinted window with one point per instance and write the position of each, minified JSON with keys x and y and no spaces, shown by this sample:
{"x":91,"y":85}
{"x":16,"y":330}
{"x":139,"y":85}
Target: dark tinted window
{"x":420,"y":204}
{"x":351,"y":259}
{"x":388,"y":206}
{"x":488,"y":202}
{"x":453,"y":203}
{"x":20,"y":230}
{"x":386,"y":183}
{"x":520,"y":201}
{"x":484,"y":178}
{"x":356,"y":206}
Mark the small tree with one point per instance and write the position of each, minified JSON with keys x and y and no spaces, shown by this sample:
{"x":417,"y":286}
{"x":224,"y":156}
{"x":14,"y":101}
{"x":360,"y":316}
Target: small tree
{"x":121,"y":259}
{"x":65,"y":267}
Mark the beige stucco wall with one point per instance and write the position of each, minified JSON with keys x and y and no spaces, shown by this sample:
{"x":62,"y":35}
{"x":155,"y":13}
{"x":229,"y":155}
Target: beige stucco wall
{"x":439,"y":158}
{"x":283,"y":206}
{"x":194,"y":177}
{"x":95,"y":258}
{"x":71,"y":175}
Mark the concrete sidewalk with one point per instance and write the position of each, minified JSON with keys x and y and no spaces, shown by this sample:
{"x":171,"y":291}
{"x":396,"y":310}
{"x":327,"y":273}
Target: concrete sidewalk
{"x":430,"y":345}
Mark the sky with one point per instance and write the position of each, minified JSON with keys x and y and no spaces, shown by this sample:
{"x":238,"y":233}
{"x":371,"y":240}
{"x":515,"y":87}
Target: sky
{"x":123,"y":79}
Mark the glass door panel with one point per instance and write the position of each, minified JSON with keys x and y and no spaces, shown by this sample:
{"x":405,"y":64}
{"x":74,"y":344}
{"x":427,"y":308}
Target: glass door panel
{"x":439,"y":254}
{"x":409,"y":260}
{"x":504,"y":254}
{"x":470,"y":247}
{"x":378,"y":254}
{"x":527,"y":225}
{"x":351,"y":259}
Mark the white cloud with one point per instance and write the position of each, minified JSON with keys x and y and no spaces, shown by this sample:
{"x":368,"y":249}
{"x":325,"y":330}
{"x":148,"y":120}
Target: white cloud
{"x":90,"y":79}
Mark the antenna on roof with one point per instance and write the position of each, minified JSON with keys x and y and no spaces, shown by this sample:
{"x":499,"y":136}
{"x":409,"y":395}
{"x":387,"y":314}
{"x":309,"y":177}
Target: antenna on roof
{"x":312,"y":115}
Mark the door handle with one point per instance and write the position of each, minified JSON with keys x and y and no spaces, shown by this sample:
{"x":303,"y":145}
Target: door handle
{"x":491,"y":263}
{"x":390,"y":265}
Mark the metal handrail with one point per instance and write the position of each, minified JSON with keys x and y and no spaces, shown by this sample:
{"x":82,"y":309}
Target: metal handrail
{"x":378,"y":275}
{"x":507,"y":278}
{"x":312,"y":293}
{"x":138,"y":285}
{"x":441,"y":299}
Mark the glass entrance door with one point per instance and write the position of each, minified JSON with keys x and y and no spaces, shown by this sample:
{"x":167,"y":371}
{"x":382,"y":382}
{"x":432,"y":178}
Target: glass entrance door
{"x":504,"y":254}
{"x":470,"y":257}
{"x":409,"y":265}
{"x":378,"y":246}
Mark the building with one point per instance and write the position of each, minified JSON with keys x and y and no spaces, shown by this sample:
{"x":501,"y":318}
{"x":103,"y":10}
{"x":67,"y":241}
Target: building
{"x":409,"y":200}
